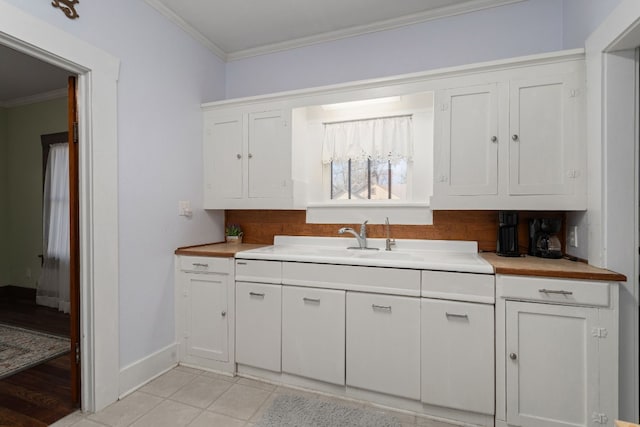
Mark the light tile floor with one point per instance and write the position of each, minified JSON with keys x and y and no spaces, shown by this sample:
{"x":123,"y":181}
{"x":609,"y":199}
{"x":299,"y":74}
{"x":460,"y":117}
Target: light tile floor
{"x":191,"y":397}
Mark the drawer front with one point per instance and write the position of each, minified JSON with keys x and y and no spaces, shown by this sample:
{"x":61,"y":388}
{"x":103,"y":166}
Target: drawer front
{"x":249,"y":270}
{"x":202,"y":264}
{"x":352,"y":278}
{"x":313,"y":333}
{"x":258,"y":324}
{"x":458,"y":286}
{"x":560,"y":291}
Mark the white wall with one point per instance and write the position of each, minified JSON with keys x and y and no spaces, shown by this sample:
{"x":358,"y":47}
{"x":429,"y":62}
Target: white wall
{"x":164,"y":77}
{"x":530,"y":27}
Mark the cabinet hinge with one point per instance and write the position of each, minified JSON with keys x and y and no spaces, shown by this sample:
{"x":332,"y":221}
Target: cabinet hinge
{"x":599,"y":418}
{"x":573,"y":173}
{"x":599,"y":332}
{"x":75,"y":132}
{"x":77,"y":351}
{"x":444,"y":107}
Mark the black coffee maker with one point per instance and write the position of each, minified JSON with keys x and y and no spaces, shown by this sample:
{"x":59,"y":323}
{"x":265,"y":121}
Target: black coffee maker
{"x":543,"y":237}
{"x":507,"y":234}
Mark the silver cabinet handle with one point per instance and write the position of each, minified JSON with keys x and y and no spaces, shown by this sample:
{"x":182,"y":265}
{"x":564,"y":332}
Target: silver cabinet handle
{"x":223,"y":314}
{"x":515,"y":137}
{"x":256,"y":294}
{"x":551,"y":291}
{"x":513,"y":356}
{"x":458,"y":316}
{"x":494,"y":139}
{"x":199,"y":264}
{"x":311,"y":300}
{"x":381,"y":307}
{"x":240,"y":263}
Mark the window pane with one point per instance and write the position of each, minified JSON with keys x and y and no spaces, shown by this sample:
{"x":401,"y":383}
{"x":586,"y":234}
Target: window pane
{"x":359,"y":179}
{"x":340,"y":178}
{"x":379,"y":179}
{"x":399,"y":179}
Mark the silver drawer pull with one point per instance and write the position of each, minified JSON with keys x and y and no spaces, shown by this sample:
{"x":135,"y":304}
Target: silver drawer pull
{"x":241,"y":263}
{"x":457,"y":316}
{"x":256,"y":294}
{"x":551,"y":291}
{"x":311,"y":300}
{"x":199,"y":264}
{"x":381,"y":307}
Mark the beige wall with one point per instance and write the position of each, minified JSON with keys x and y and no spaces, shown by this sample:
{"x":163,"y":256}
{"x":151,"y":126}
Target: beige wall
{"x":24,"y":125}
{"x":4,"y":200}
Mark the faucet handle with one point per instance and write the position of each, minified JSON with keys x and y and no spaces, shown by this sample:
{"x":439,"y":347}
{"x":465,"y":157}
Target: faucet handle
{"x":363,"y":229}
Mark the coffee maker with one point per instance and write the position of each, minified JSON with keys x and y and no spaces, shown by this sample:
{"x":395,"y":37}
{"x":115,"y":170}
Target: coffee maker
{"x":543,"y":237}
{"x":507,"y":234}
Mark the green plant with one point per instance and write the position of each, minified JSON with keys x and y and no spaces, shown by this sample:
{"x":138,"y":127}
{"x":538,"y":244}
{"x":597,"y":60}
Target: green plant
{"x":233,"y":230}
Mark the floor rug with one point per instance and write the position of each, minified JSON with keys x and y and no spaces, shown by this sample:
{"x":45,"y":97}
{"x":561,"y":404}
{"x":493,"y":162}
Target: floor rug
{"x":290,"y":411}
{"x":23,"y":348}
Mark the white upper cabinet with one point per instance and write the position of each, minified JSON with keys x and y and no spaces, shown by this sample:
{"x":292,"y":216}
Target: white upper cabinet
{"x":247,"y":159}
{"x":513,"y":144}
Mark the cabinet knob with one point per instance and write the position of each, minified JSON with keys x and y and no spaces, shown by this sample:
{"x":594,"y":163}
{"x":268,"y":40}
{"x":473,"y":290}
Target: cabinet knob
{"x":513,"y":356}
{"x":514,"y":137}
{"x":250,"y":156}
{"x":224,"y":313}
{"x":494,"y":139}
{"x":239,"y":156}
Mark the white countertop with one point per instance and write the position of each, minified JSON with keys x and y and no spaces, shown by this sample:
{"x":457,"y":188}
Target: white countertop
{"x":441,"y":255}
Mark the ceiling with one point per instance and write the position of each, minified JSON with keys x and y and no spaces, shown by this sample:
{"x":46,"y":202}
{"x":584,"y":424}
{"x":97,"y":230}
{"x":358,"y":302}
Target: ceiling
{"x":235,"y":29}
{"x":241,"y":28}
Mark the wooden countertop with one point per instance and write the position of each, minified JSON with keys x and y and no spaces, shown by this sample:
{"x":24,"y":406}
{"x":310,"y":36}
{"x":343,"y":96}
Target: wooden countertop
{"x":222,"y":249}
{"x":559,"y":268}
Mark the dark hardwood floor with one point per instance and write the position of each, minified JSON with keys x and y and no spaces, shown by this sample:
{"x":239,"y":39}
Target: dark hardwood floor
{"x":40,"y":395}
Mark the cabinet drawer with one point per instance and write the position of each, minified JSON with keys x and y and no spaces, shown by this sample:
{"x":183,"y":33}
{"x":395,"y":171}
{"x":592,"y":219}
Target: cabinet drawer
{"x":560,"y":291}
{"x":458,"y":286}
{"x":352,"y":278}
{"x":250,"y":270}
{"x":202,"y":264}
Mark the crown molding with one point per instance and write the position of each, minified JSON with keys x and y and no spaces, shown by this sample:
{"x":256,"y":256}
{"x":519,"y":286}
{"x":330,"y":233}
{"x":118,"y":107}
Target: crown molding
{"x":33,"y":99}
{"x":197,"y":35}
{"x":388,"y":24}
{"x":443,"y":12}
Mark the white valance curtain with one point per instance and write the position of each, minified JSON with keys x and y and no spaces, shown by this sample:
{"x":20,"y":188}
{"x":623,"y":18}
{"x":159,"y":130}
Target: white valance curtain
{"x":379,"y":139}
{"x":54,"y":286}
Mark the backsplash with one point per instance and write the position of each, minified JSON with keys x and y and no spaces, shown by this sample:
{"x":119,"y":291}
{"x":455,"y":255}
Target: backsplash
{"x":260,"y":226}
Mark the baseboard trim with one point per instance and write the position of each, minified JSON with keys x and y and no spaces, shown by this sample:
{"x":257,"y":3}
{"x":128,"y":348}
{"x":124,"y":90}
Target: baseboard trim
{"x":137,"y":374}
{"x":12,"y":293}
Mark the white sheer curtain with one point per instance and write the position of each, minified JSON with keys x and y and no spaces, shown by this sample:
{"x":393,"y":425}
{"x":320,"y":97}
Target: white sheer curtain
{"x":379,"y":139}
{"x":53,"y":287}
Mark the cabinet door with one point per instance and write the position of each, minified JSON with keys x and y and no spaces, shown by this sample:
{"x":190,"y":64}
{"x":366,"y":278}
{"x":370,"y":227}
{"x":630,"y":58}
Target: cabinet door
{"x":458,"y":355}
{"x":206,"y":316}
{"x":223,"y":157}
{"x":258,"y":320}
{"x":269,"y":155}
{"x":383,"y":343}
{"x":313,"y":333}
{"x":552,"y":365}
{"x":543,"y":123}
{"x":467,"y":150}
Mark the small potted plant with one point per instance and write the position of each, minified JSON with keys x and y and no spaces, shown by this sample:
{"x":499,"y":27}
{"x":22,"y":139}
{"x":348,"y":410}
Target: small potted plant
{"x":233,"y":233}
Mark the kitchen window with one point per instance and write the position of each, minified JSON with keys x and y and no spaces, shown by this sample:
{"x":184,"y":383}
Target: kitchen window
{"x":368,"y":159}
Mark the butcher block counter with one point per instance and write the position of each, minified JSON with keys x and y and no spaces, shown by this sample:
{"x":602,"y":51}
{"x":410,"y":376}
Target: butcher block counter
{"x":559,"y":268}
{"x":221,"y":250}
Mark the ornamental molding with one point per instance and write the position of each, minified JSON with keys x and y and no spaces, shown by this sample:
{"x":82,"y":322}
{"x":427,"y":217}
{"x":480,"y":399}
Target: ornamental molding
{"x":68,"y":7}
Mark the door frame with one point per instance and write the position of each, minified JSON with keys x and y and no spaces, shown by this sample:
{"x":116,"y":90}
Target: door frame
{"x":97,"y":109}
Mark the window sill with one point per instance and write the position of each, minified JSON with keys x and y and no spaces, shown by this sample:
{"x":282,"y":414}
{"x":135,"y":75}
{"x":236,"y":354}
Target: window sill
{"x":353,"y":212}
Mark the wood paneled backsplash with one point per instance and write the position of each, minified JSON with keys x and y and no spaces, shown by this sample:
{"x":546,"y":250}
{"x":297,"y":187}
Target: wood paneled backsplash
{"x":260,"y":226}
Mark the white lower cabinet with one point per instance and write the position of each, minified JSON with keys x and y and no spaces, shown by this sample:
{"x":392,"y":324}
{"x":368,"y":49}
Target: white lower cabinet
{"x":313,"y":333}
{"x":258,"y":325}
{"x":204,"y":312}
{"x":383,"y":343}
{"x":458,"y":355}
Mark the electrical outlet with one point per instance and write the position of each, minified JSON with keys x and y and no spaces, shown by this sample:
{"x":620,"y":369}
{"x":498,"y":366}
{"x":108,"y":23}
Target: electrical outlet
{"x":573,"y":236}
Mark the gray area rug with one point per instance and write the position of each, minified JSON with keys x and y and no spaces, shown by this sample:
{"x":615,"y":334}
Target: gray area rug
{"x":22,"y":348}
{"x":290,"y":411}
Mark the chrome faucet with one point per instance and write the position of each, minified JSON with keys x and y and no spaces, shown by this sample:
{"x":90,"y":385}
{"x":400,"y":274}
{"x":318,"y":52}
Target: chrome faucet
{"x":361,"y":237}
{"x":389,"y":242}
